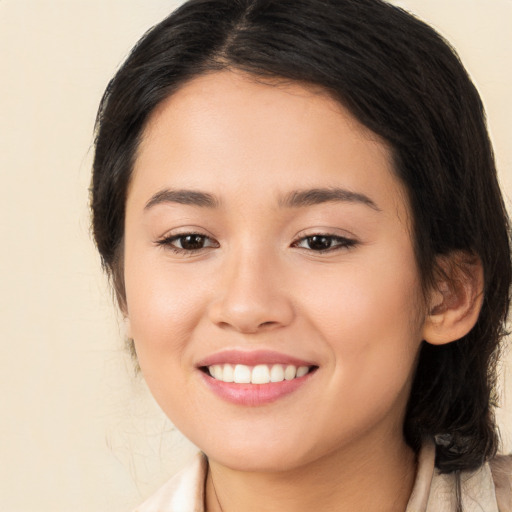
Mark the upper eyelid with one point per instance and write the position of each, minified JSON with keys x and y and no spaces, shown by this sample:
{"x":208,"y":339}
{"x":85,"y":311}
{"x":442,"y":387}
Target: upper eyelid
{"x":188,"y":230}
{"x":326,"y":235}
{"x":325,"y":230}
{"x":339,"y":236}
{"x":187,"y":233}
{"x":167,"y":239}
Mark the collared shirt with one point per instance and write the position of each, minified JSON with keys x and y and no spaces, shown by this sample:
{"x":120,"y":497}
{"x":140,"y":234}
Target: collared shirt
{"x":481,"y":490}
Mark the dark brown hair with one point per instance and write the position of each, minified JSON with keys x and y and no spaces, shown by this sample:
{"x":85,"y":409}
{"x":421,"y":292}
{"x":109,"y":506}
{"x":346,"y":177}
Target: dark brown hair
{"x":405,"y":83}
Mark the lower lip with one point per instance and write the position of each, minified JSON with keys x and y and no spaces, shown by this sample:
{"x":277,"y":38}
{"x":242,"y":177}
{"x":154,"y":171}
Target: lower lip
{"x":254,"y":394}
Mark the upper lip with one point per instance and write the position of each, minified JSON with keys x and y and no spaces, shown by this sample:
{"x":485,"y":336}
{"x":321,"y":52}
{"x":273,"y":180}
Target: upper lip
{"x":251,"y":358}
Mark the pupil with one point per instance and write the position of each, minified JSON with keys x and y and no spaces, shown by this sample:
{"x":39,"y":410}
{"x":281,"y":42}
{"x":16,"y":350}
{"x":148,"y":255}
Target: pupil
{"x":319,"y":242}
{"x":191,"y":242}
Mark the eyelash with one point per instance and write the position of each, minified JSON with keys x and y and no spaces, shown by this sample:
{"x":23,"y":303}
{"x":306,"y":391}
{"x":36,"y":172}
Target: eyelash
{"x":340,"y":241}
{"x":168,"y":242}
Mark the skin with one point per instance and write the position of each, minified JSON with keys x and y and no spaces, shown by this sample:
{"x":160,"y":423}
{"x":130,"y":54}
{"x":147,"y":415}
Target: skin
{"x":356,"y":311}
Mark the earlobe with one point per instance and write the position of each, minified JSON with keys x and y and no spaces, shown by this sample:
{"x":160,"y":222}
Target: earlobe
{"x":455,"y":303}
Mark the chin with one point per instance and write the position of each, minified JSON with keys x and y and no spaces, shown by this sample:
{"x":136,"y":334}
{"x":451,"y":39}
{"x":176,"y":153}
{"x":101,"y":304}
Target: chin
{"x":260,"y":453}
{"x":256,"y":459}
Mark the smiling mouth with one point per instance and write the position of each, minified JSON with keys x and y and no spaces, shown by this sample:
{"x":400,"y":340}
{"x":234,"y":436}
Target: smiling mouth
{"x":259,"y":374}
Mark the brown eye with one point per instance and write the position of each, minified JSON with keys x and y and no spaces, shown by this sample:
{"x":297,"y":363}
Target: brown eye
{"x":191,"y":242}
{"x":319,"y":242}
{"x":188,"y":242}
{"x":324,"y":243}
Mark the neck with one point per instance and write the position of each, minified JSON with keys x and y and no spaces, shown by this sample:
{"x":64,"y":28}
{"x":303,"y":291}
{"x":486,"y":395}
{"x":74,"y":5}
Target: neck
{"x":372,"y":476}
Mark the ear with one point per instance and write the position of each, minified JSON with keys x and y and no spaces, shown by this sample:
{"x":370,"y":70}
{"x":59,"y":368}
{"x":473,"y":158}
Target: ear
{"x":455,"y":302}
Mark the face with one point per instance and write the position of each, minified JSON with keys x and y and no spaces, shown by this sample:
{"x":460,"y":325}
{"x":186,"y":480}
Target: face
{"x":267,"y":242}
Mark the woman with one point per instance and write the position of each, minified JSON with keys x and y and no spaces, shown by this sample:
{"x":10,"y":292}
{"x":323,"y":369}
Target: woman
{"x":298,"y":206}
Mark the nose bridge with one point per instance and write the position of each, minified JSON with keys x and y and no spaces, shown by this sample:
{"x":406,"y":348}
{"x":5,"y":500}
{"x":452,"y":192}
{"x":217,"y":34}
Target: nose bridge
{"x":251,"y":295}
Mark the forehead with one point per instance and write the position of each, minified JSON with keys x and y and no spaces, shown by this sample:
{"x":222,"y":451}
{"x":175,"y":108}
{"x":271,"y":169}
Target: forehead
{"x":234,"y":98}
{"x":228,"y":130}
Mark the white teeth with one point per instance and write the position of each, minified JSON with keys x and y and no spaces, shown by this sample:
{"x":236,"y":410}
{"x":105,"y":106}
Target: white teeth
{"x":277,"y":373}
{"x":259,"y":374}
{"x":302,"y":370}
{"x":216,"y":371}
{"x":228,"y":374}
{"x":290,"y":372}
{"x":242,"y":374}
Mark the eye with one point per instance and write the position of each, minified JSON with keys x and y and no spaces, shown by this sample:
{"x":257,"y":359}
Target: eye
{"x":324,"y":243}
{"x":188,"y":242}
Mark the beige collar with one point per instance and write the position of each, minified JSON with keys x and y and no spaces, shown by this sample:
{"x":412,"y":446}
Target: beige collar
{"x":432,"y":492}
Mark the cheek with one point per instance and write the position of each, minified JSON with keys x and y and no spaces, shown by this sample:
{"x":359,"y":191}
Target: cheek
{"x":386,"y":291}
{"x":163,"y":307}
{"x":371,"y":321}
{"x":370,"y":328}
{"x":163,"y":311}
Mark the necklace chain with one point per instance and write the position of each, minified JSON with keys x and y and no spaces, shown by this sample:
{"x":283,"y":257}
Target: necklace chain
{"x":215,"y":491}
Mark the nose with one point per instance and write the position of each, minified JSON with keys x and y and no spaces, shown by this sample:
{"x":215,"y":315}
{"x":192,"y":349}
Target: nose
{"x":252,"y":296}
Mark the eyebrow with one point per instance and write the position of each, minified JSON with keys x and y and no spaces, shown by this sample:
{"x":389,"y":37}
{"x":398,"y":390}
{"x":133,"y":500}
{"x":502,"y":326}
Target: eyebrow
{"x":310,"y":197}
{"x":189,"y":197}
{"x":293,"y":199}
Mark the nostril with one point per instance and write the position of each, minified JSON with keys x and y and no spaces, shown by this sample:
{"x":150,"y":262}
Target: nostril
{"x":266,"y":324}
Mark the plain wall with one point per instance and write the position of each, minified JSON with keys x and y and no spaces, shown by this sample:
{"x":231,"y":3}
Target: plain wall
{"x":78,"y":431}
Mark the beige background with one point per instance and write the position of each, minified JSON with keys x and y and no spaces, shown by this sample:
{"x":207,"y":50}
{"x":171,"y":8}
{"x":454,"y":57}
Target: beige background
{"x":78,"y":431}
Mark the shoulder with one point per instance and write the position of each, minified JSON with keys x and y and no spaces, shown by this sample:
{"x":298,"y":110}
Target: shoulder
{"x":501,"y":468}
{"x":487,"y":488}
{"x":184,"y":492}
